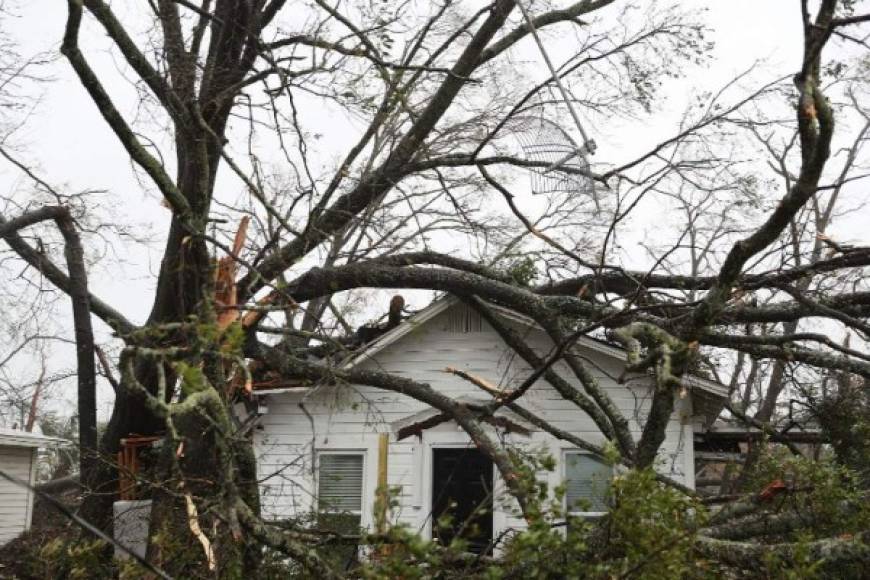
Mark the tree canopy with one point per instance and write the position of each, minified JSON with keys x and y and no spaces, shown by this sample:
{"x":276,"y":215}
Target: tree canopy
{"x":311,"y":154}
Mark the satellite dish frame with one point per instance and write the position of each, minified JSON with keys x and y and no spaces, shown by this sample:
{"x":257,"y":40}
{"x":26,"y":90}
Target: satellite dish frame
{"x":589,"y":145}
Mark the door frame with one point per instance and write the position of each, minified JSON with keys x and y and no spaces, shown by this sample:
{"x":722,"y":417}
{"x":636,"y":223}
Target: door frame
{"x":433,"y":439}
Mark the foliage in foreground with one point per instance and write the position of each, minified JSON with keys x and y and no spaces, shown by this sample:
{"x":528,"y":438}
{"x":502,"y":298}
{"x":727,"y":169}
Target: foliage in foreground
{"x":652,"y":531}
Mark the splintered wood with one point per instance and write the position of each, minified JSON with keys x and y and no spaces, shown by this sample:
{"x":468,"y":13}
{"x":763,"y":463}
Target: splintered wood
{"x":479,"y":382}
{"x":226,"y":291}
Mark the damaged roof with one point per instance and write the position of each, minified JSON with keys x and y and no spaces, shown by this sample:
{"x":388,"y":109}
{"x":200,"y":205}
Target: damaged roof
{"x":708,"y":396}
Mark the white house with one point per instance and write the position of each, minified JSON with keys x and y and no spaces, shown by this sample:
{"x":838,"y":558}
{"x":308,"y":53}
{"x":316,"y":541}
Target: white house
{"x":18,"y":458}
{"x":325,"y":448}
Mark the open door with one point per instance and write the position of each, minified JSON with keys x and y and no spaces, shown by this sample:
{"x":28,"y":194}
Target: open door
{"x":462,"y":481}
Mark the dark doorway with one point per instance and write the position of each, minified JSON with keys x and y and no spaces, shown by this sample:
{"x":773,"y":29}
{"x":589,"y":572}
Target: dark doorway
{"x":462,"y":489}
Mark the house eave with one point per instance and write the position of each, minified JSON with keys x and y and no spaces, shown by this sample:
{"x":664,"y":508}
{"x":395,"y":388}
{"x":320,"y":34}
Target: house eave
{"x":279,"y":390}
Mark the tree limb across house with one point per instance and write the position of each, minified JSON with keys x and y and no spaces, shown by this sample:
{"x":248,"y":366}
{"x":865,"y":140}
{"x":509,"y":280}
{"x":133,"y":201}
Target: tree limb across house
{"x":750,"y":287}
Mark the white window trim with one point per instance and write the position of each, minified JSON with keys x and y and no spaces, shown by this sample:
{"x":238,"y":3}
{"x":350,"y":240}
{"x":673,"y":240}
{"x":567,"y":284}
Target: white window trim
{"x":362,"y":491}
{"x":347,"y":445}
{"x":564,"y":477}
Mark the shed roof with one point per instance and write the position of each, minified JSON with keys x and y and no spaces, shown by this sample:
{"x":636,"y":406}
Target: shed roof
{"x":17,"y":438}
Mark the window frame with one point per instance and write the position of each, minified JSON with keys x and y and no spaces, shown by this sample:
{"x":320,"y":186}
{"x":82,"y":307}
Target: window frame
{"x":361,"y":515}
{"x":363,"y":480}
{"x":440,"y":439}
{"x":566,"y":453}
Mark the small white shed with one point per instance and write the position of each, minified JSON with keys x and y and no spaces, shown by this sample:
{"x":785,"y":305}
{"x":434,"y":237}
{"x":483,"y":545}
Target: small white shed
{"x":18,"y":458}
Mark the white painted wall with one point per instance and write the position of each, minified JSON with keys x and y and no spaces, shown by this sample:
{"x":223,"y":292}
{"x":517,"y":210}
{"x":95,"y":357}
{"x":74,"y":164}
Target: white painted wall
{"x":16,"y":502}
{"x":350,"y":417}
{"x":130,"y":525}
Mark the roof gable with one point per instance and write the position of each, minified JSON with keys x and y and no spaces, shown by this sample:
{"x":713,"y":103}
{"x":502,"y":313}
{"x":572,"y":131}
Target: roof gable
{"x":426,"y":315}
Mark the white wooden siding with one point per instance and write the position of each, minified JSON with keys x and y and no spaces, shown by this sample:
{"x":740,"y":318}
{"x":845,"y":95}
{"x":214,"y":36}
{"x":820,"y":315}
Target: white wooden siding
{"x":16,"y":502}
{"x":299,"y":423}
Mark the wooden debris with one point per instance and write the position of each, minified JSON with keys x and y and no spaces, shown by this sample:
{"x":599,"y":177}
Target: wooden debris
{"x":226,"y":291}
{"x":773,"y":489}
{"x":128,"y":464}
{"x":193,"y":524}
{"x":479,"y":382}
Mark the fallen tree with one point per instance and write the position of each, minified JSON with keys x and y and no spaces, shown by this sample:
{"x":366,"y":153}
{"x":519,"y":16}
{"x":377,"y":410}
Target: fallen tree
{"x":207,"y":334}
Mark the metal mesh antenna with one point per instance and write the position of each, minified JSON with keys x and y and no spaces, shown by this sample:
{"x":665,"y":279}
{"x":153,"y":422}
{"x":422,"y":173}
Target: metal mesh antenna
{"x":566,"y":168}
{"x":553,"y":140}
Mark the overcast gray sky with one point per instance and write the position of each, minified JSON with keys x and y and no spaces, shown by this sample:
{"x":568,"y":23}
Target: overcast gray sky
{"x":73,"y":148}
{"x":73,"y":145}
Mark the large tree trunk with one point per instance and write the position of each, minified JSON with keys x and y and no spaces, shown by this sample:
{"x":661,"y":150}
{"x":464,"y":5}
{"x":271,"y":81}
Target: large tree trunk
{"x":179,"y":292}
{"x":205,"y":474}
{"x":211,"y":461}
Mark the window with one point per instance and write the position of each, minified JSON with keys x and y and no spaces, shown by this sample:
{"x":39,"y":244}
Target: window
{"x":587,"y":480}
{"x":340,"y":479}
{"x":339,"y":501}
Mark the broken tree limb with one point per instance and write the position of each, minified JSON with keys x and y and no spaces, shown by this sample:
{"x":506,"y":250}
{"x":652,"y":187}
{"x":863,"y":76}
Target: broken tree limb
{"x":479,"y":382}
{"x":77,"y":290}
{"x":750,"y":556}
{"x":193,"y":524}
